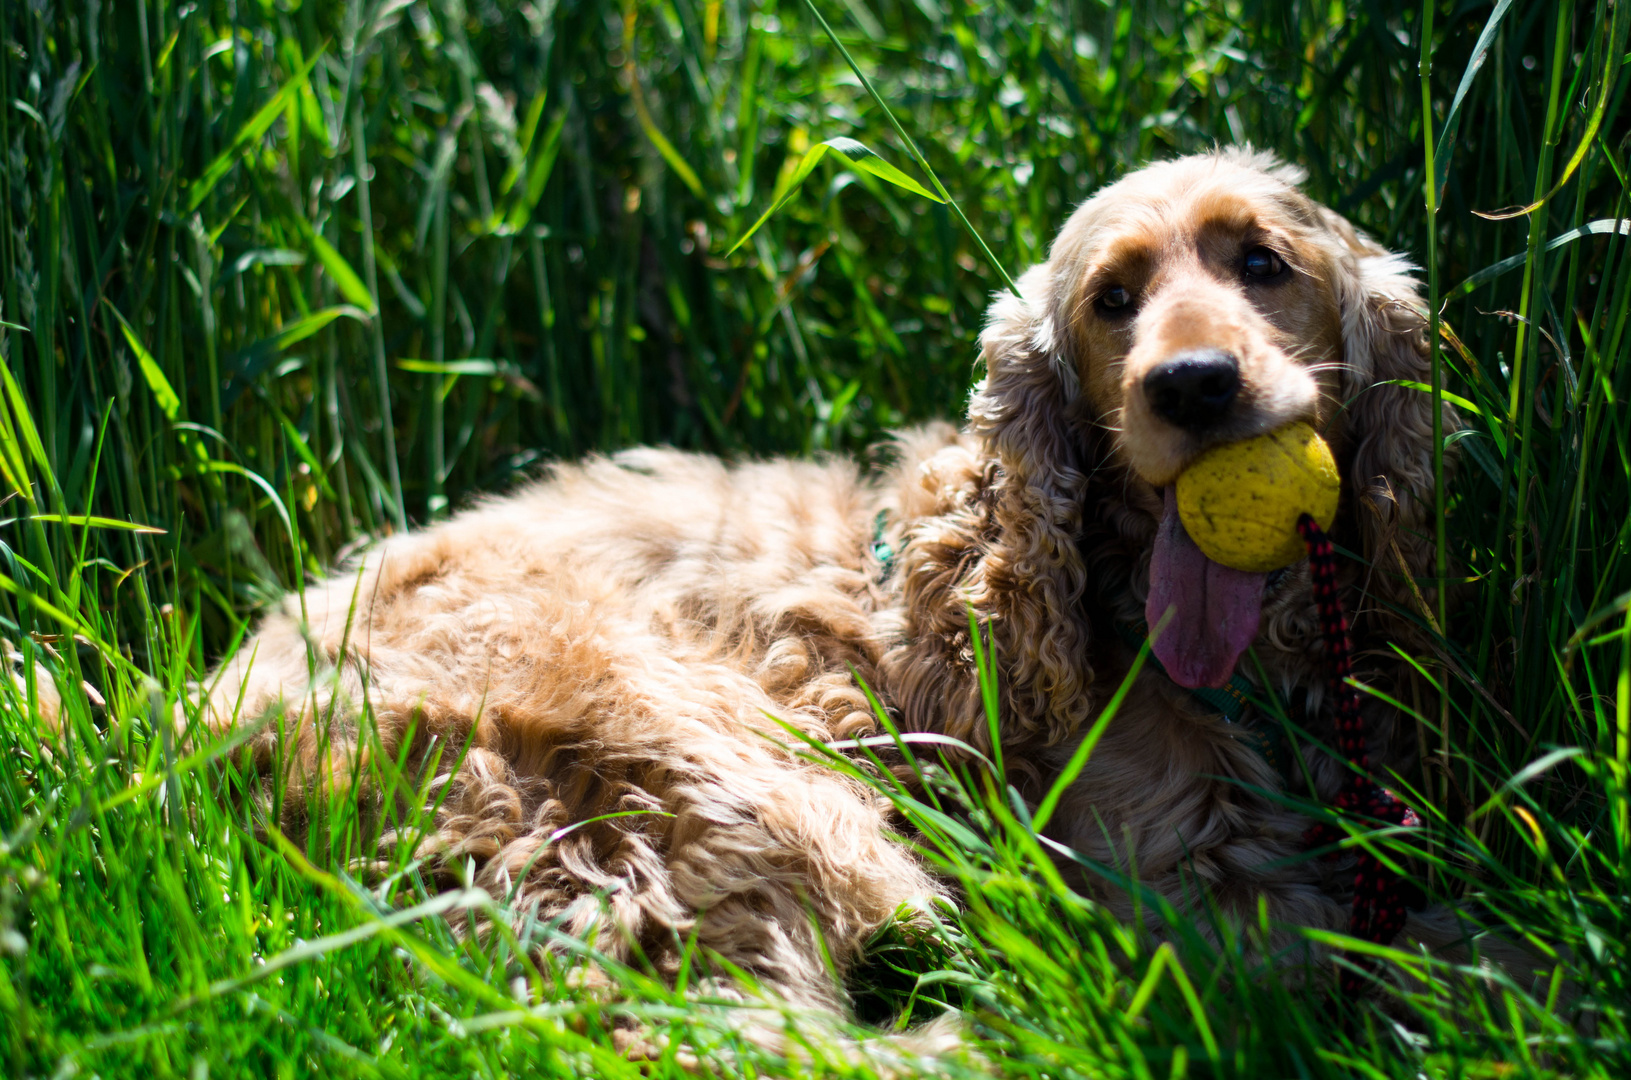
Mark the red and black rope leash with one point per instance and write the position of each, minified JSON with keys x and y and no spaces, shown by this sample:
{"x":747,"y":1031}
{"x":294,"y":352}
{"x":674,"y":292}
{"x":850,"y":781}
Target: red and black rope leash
{"x":1379,"y":892}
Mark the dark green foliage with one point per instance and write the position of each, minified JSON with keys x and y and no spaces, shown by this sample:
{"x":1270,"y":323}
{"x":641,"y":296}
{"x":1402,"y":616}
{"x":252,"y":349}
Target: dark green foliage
{"x":231,"y":231}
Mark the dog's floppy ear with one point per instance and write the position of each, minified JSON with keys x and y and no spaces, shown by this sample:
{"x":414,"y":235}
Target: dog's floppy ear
{"x":1389,"y":417}
{"x":1030,"y":577}
{"x":1019,"y":411}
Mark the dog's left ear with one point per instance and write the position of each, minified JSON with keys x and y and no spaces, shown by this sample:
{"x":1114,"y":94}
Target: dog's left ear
{"x":1389,"y":413}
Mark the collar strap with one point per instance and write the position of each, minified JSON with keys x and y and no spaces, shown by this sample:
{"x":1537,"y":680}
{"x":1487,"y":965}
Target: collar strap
{"x":1381,"y":891}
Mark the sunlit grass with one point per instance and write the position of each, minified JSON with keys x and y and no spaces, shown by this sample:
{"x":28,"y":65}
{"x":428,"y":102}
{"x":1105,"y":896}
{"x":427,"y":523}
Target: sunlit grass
{"x":280,"y":277}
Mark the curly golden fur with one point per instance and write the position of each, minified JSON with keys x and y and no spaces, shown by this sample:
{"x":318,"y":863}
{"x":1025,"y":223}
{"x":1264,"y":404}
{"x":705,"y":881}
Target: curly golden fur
{"x":616,"y":636}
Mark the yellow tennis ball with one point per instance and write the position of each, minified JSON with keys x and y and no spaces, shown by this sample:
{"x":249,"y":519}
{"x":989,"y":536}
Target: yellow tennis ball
{"x":1240,"y":502}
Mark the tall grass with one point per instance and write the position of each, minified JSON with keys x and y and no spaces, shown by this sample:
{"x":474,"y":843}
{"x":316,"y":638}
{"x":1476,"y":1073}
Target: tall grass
{"x":279,"y":277}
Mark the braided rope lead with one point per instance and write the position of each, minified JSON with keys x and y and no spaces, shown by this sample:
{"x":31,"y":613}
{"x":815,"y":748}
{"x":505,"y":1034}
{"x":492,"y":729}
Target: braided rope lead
{"x":1378,"y":904}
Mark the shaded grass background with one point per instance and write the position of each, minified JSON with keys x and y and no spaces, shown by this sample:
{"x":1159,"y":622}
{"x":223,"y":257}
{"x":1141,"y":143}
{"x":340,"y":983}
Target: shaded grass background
{"x":282,"y":276}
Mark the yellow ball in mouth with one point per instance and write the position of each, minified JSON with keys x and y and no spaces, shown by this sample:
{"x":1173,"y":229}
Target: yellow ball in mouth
{"x":1240,"y":501}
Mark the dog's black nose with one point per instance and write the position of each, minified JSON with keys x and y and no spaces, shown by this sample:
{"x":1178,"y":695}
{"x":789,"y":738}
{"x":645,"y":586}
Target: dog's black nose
{"x":1193,"y":389}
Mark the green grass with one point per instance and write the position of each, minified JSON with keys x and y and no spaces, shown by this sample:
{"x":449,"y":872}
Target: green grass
{"x":232,"y":233}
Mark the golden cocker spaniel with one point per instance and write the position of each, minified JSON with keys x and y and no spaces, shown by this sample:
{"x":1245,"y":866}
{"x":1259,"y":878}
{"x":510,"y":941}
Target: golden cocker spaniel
{"x":613,"y":638}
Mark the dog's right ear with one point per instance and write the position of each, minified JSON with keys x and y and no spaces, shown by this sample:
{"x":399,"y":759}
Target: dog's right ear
{"x":1019,"y":410}
{"x":1027,"y":578}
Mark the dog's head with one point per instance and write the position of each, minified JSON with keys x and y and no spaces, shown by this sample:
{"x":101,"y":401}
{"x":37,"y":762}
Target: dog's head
{"x":1201,"y":296}
{"x":1197,"y":302}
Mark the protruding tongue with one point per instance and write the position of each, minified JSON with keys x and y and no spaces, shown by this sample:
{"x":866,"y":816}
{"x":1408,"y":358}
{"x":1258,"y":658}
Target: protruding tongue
{"x":1215,"y":609}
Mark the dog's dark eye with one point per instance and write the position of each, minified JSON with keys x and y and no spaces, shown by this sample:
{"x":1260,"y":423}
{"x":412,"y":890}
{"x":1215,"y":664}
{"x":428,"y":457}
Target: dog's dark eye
{"x":1263,"y":263}
{"x":1115,"y":298}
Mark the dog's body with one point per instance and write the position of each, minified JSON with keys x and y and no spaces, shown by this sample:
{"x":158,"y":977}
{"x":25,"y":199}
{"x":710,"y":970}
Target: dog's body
{"x":616,"y":637}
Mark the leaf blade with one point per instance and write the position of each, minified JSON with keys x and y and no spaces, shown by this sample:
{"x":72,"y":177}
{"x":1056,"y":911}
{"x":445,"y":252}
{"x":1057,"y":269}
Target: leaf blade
{"x":254,"y":128}
{"x":169,"y":402}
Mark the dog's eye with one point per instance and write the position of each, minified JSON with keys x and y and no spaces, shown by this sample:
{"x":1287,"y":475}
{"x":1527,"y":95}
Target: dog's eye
{"x":1115,"y":298}
{"x":1262,"y":263}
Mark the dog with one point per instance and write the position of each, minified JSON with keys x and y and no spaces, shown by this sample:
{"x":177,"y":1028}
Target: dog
{"x":621,"y":650}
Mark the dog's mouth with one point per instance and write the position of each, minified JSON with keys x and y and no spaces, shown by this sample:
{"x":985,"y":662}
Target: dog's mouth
{"x":1214,"y":610}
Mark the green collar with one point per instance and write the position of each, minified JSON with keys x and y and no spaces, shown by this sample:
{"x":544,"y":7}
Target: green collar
{"x":882,"y":550}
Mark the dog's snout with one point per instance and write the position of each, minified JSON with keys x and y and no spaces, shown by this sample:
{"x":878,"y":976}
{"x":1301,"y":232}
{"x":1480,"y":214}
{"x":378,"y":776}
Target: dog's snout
{"x":1193,"y":389}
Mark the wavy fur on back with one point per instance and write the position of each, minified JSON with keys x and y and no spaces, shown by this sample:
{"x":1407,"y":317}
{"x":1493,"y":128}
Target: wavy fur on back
{"x":618,"y":636}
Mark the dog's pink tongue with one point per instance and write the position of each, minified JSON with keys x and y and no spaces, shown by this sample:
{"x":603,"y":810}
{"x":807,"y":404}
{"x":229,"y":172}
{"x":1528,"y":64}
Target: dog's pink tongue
{"x":1216,"y":609}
